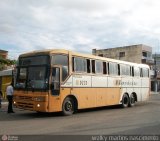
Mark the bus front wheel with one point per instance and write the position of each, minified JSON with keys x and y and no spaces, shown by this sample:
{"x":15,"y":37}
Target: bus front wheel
{"x":68,"y":106}
{"x":125,"y":101}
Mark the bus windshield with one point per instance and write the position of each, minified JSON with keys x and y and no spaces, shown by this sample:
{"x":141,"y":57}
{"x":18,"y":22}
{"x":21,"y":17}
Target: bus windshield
{"x":32,"y":73}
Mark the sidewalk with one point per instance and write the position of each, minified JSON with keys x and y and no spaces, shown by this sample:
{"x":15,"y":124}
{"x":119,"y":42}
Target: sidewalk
{"x":4,"y":105}
{"x":4,"y":102}
{"x":154,"y":92}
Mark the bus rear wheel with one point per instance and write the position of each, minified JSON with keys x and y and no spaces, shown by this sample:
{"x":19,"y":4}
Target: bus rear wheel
{"x":68,"y":107}
{"x":132,"y":100}
{"x":125,"y":101}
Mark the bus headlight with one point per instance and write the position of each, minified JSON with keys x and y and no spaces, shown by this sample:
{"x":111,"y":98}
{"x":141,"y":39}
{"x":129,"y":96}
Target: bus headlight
{"x":40,"y":99}
{"x":38,"y":105}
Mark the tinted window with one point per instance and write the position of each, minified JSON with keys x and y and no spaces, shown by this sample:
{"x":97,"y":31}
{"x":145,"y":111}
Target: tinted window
{"x":37,"y":77}
{"x":124,"y":69}
{"x":21,"y":78}
{"x":36,"y":60}
{"x":113,"y":68}
{"x":93,"y":66}
{"x":104,"y":68}
{"x":80,"y":64}
{"x":61,"y":60}
{"x":145,"y":72}
{"x":99,"y":66}
{"x":136,"y":71}
{"x":88,"y":66}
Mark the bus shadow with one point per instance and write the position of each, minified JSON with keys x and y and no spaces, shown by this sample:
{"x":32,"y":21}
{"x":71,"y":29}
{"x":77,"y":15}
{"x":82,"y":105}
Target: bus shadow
{"x":28,"y":115}
{"x":92,"y":110}
{"x":40,"y":115}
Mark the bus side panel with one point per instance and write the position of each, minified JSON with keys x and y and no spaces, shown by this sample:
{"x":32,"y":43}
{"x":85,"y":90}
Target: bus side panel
{"x":56,"y":101}
{"x":96,"y":97}
{"x":86,"y":97}
{"x":113,"y":96}
{"x":101,"y":96}
{"x":137,"y":88}
{"x":145,"y":89}
{"x":126,"y":85}
{"x":145,"y":94}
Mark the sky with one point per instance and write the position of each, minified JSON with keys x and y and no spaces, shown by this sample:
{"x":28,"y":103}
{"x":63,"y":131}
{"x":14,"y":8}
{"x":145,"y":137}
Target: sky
{"x":78,"y":25}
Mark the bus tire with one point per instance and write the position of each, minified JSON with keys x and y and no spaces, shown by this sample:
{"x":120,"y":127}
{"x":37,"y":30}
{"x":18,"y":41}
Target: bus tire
{"x":125,"y":101}
{"x":68,"y":107}
{"x":132,"y":100}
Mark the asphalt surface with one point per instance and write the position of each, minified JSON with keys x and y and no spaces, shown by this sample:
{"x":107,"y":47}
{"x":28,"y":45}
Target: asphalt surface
{"x":143,"y":119}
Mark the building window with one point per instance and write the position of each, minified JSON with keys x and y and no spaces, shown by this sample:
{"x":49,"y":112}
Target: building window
{"x":122,"y":54}
{"x":144,"y":54}
{"x":100,"y":55}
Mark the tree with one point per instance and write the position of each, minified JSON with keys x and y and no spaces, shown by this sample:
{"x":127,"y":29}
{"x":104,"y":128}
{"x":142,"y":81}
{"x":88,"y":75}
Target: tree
{"x":6,"y":62}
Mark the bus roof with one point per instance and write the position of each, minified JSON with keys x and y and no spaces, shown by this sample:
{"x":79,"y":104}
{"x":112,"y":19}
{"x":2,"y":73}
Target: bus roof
{"x":62,"y":51}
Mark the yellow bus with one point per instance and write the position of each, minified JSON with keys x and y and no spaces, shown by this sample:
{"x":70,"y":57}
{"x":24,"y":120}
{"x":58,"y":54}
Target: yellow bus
{"x":6,"y":77}
{"x":62,"y":80}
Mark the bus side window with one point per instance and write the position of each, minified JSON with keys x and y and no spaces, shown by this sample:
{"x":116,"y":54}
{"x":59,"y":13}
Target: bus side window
{"x":93,"y":66}
{"x":104,"y":68}
{"x":55,"y":85}
{"x":130,"y":71}
{"x":119,"y":72}
{"x":80,"y":65}
{"x":108,"y":68}
{"x":73,"y":64}
{"x":141,"y":72}
{"x":144,"y":72}
{"x":113,"y":68}
{"x":99,"y":67}
{"x":133,"y":71}
{"x":88,"y":66}
{"x":60,"y":59}
{"x":136,"y":71}
{"x":147,"y":72}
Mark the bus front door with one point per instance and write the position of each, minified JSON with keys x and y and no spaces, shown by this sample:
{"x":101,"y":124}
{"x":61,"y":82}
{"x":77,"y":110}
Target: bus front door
{"x":54,"y":98}
{"x":55,"y":84}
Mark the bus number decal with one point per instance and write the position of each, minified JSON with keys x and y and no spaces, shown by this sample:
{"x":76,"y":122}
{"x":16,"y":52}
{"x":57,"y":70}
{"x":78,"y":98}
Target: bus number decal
{"x":83,"y":82}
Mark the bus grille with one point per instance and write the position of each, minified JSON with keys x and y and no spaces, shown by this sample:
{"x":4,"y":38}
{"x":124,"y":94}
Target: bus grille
{"x":24,"y":105}
{"x":25,"y":102}
{"x":26,"y":98}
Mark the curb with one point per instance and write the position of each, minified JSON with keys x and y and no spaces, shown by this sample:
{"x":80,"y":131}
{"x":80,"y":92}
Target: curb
{"x":4,"y":103}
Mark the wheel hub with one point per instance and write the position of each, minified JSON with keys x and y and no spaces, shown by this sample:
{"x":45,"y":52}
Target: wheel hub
{"x":68,"y":106}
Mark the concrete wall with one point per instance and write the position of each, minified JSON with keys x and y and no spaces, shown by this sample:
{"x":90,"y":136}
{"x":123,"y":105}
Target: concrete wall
{"x":133,"y":53}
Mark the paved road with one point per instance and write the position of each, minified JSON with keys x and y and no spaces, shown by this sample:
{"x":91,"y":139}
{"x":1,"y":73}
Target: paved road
{"x":144,"y":119}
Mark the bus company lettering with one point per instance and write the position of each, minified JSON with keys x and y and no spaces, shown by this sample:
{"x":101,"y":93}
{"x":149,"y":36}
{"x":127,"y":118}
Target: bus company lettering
{"x":122,"y":83}
{"x":81,"y":82}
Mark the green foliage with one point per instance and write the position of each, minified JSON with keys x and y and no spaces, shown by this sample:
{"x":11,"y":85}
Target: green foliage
{"x":6,"y":62}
